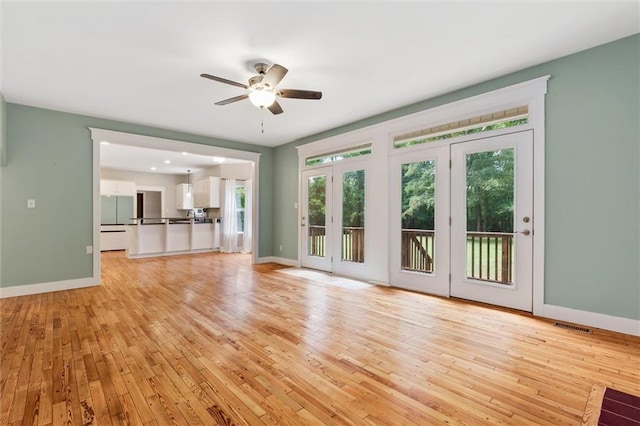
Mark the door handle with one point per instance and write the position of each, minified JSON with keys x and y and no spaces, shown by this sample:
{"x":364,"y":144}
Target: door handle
{"x":525,"y":232}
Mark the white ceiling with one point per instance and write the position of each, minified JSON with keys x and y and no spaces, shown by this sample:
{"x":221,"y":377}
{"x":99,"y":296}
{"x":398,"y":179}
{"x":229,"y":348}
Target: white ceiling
{"x":140,"y":61}
{"x":138,"y":159}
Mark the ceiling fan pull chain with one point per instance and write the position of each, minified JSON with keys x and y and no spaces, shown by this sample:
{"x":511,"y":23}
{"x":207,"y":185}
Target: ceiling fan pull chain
{"x":262,"y":119}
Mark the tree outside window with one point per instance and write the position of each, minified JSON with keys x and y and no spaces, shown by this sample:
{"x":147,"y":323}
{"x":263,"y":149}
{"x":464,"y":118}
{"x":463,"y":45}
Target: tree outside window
{"x":240,"y":207}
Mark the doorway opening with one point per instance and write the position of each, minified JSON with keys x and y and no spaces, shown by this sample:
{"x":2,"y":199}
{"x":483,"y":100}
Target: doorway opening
{"x":161,"y":204}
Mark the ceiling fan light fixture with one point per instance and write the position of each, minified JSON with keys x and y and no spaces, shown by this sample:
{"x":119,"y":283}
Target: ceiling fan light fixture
{"x":262,"y":97}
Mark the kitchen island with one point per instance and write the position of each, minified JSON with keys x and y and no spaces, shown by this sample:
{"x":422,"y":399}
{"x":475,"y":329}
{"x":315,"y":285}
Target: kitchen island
{"x":166,"y":236}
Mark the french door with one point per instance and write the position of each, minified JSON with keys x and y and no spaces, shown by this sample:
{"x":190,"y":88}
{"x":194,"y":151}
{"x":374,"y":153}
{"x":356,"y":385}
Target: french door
{"x":461,"y":220}
{"x":419,"y":228}
{"x":492,"y":220}
{"x":333,"y":219}
{"x":316,"y":217}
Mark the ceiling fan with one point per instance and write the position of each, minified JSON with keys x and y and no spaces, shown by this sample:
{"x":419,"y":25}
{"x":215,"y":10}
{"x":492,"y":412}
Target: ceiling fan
{"x":262,"y":88}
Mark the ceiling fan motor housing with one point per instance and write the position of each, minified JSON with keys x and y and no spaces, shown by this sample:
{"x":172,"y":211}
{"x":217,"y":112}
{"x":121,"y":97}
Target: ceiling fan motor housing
{"x":261,"y":67}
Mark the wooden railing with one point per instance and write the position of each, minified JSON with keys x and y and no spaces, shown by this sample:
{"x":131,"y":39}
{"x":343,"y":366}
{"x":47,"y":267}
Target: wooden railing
{"x":417,"y":250}
{"x":353,"y":244}
{"x":317,"y":240}
{"x":490,"y":256}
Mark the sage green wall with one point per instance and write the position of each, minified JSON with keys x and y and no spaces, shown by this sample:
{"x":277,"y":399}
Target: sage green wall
{"x":3,"y":131}
{"x":50,"y":159}
{"x":592,"y":181}
{"x":3,"y":152}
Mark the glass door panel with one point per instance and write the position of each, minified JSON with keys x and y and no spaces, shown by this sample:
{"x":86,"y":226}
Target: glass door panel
{"x":418,"y":216}
{"x":316,"y":219}
{"x":353,"y":210}
{"x":317,"y":229}
{"x":490,"y":201}
{"x":419,"y":220}
{"x":351,"y":235}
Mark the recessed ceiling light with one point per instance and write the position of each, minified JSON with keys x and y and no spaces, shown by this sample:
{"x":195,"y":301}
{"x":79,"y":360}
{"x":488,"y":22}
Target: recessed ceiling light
{"x":167,"y":161}
{"x":184,"y":153}
{"x":219,"y":159}
{"x":153,"y":168}
{"x":104,"y":142}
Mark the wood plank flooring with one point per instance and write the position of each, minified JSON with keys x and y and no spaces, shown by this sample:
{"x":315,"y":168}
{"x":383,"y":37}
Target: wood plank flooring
{"x":210,"y":339}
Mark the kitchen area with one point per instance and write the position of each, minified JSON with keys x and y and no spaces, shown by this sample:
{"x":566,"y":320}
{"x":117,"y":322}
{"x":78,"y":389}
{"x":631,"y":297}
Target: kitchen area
{"x":161,"y":212}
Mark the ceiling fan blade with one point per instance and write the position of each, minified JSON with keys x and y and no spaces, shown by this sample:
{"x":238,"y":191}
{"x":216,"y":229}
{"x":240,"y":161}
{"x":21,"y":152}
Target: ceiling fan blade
{"x":275,"y":74}
{"x":232,"y":100}
{"x":224,"y":80}
{"x":299,"y":94}
{"x":275,"y":108}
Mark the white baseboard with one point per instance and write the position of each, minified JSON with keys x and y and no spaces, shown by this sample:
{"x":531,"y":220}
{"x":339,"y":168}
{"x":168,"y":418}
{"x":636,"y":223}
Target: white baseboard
{"x":24,"y":290}
{"x":280,"y":260}
{"x":592,"y":319}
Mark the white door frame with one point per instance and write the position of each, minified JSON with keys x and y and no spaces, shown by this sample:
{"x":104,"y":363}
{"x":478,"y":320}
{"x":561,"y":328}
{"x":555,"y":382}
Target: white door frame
{"x":519,"y":295}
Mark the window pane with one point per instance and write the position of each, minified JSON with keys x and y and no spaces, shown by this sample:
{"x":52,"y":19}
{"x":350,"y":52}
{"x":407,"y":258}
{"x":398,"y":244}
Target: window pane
{"x":240,"y":207}
{"x":447,"y":134}
{"x":353,"y":216}
{"x":240,"y":220}
{"x":339,"y":155}
{"x":490,"y":199}
{"x":317,"y":191}
{"x":240,"y":197}
{"x":418,"y":216}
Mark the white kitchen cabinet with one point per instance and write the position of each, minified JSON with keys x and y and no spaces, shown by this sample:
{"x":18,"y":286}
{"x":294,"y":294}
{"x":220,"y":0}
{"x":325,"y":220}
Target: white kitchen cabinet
{"x":207,"y":193}
{"x":117,"y":187}
{"x":184,"y":196}
{"x":113,"y":237}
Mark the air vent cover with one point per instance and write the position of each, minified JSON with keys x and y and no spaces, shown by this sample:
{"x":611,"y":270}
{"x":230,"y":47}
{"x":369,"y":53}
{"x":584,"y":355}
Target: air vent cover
{"x":572,"y":327}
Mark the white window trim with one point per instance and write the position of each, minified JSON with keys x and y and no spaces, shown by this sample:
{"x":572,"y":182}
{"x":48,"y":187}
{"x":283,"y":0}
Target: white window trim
{"x":531,"y":93}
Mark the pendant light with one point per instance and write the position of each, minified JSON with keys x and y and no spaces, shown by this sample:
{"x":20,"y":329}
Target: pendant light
{"x":188,"y":184}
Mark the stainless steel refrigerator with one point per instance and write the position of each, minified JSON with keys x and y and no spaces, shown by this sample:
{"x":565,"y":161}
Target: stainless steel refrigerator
{"x":116,"y":209}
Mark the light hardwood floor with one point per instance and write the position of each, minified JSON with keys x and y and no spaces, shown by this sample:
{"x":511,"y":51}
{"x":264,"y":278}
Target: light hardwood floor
{"x":210,"y":339}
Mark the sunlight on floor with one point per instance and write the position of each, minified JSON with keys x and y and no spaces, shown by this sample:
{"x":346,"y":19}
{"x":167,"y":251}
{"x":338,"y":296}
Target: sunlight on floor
{"x":325,"y":278}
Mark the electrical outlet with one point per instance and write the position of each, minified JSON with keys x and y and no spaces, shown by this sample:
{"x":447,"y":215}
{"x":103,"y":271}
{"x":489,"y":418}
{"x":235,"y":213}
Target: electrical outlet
{"x":280,"y":247}
{"x":89,"y":249}
{"x":31,"y":204}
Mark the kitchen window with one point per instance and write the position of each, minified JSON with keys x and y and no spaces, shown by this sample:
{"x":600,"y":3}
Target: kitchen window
{"x":240,"y":197}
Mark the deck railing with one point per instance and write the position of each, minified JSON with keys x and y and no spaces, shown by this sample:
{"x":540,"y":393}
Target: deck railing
{"x":417,"y":250}
{"x":353,"y":244}
{"x":490,"y":256}
{"x":317,"y":240}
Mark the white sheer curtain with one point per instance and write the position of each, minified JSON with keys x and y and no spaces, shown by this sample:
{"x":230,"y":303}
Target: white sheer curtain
{"x":247,"y":238}
{"x":229,"y":240}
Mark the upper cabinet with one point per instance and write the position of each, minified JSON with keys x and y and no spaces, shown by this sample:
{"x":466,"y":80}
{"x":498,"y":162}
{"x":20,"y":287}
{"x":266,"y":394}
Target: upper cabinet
{"x":206,"y":193}
{"x":184,"y":196}
{"x":117,"y":187}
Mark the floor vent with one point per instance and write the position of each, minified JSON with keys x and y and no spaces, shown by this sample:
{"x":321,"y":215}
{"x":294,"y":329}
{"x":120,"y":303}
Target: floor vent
{"x":572,"y":327}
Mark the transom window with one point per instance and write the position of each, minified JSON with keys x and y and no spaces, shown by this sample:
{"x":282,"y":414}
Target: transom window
{"x":483,"y":123}
{"x":331,"y":157}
